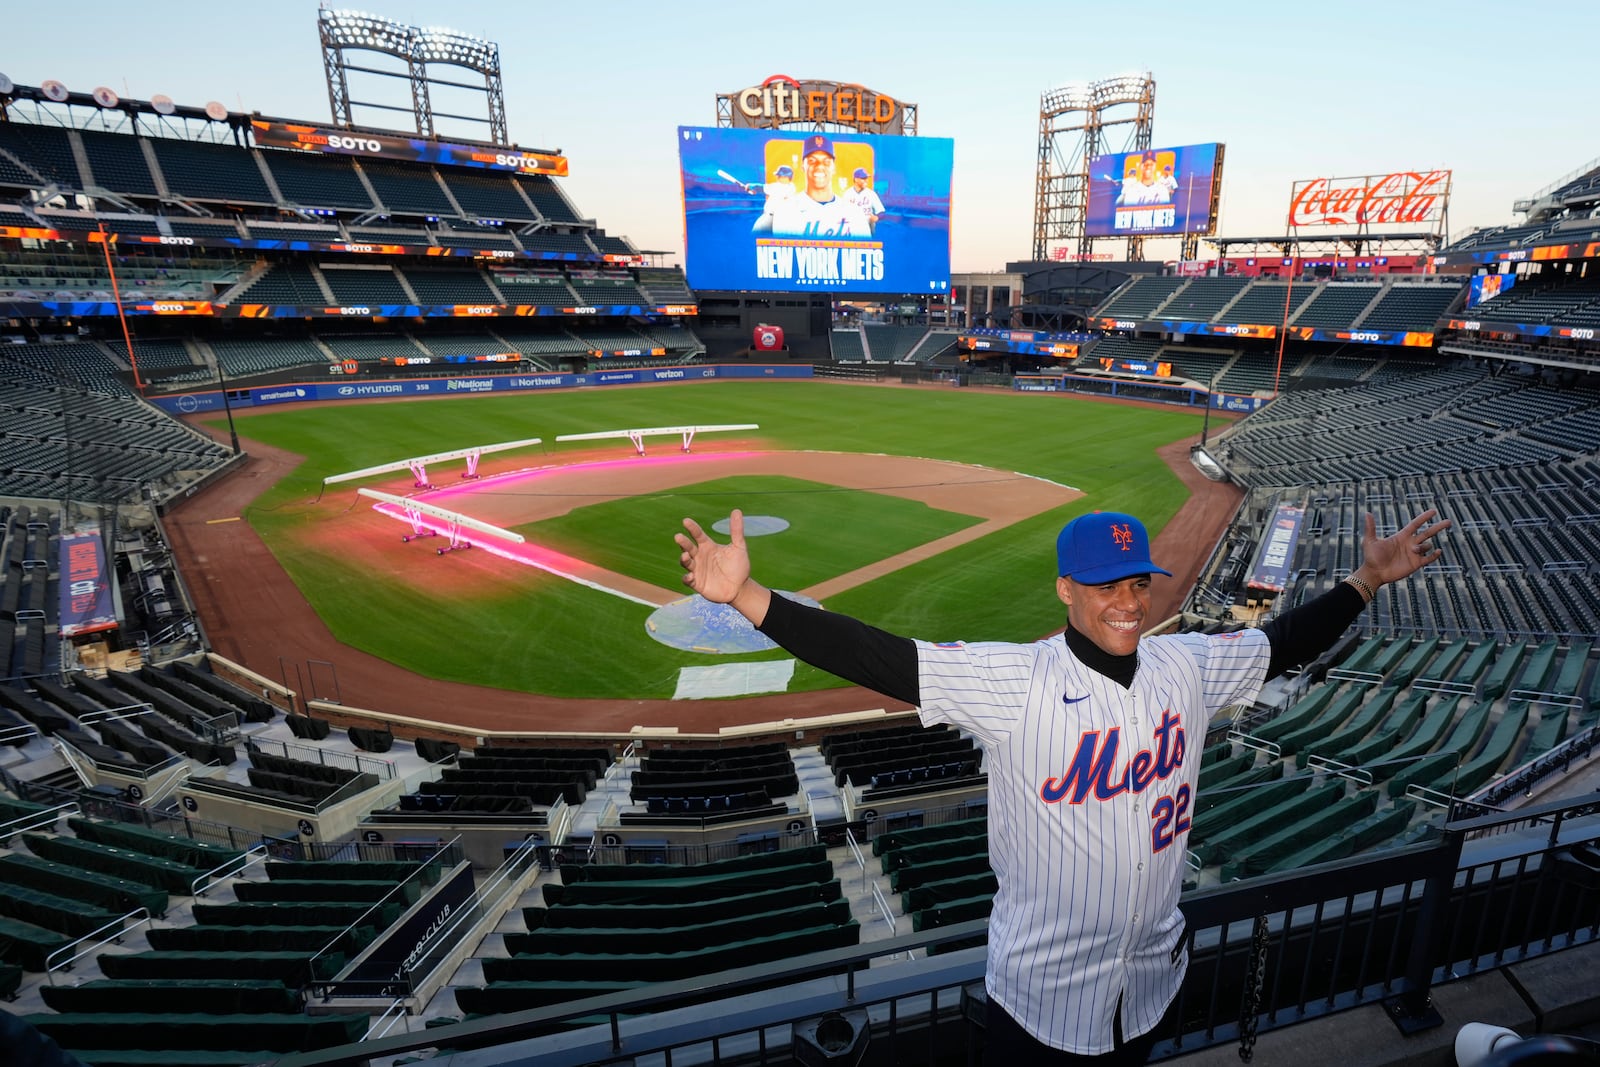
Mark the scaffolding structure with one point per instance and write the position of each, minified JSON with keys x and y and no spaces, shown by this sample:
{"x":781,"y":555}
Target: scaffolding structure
{"x":1076,"y":125}
{"x":417,"y":47}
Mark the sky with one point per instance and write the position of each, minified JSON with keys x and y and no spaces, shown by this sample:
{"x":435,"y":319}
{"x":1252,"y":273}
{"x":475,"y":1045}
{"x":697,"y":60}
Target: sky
{"x":1295,"y":91}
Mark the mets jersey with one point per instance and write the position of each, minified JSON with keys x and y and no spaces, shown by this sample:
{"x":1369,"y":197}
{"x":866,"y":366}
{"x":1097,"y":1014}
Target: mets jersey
{"x":1091,"y":792}
{"x":801,"y":216}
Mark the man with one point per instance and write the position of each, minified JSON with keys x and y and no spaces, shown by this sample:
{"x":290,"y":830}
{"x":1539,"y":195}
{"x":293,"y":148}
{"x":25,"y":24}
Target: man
{"x":1145,"y":186}
{"x":1091,"y":741}
{"x":865,"y":197}
{"x":819,"y":211}
{"x":778,"y":190}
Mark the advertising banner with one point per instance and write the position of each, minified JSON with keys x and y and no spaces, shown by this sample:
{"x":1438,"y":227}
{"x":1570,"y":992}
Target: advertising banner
{"x":1271,"y":570}
{"x":1410,"y":198}
{"x":779,"y":211}
{"x":1405,"y":338}
{"x":1488,"y":286}
{"x":409,"y":149}
{"x":190,"y":403}
{"x":86,"y":604}
{"x":1156,"y":191}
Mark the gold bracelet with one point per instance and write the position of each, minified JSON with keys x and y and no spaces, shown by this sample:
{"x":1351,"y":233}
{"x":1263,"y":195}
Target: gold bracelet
{"x":1369,"y":593}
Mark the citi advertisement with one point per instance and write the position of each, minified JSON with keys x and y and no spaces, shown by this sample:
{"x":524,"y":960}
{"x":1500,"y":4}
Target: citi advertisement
{"x":840,"y":213}
{"x":1155,"y":191}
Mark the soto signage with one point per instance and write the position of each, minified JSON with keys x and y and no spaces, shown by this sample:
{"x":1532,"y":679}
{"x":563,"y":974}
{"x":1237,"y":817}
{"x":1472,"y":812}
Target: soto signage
{"x":1402,"y":197}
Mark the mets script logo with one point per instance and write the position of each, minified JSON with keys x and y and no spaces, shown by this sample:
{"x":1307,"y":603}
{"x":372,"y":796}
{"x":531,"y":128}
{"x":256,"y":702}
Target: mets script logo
{"x":1094,"y":770}
{"x":1122,"y":534}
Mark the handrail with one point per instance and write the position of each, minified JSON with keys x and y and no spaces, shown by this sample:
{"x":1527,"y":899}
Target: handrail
{"x":19,"y":735}
{"x":888,"y":915}
{"x":236,"y":865}
{"x":855,"y":850}
{"x":120,"y":924}
{"x":382,"y":767}
{"x":397,"y":1011}
{"x":361,"y":919}
{"x":44,"y":819}
{"x":559,"y":820}
{"x":117,"y":714}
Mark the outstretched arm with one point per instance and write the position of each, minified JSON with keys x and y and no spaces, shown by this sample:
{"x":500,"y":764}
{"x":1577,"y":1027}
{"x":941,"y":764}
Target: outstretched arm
{"x":1304,"y":633}
{"x":836,"y":643}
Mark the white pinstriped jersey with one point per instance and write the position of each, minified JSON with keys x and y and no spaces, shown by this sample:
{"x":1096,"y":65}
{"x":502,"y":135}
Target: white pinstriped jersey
{"x":1091,"y":790}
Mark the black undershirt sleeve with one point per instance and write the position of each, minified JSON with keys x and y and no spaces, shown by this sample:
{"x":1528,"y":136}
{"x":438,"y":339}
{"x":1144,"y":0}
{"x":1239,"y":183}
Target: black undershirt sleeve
{"x":844,"y":646}
{"x":867,"y":656}
{"x":1301,"y":634}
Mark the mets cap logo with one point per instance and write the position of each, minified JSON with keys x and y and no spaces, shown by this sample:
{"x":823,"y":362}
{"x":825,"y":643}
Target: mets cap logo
{"x":1122,"y":534}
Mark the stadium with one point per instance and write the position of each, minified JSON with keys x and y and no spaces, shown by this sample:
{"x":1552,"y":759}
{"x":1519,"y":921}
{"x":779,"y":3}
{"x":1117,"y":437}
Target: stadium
{"x":354,"y":710}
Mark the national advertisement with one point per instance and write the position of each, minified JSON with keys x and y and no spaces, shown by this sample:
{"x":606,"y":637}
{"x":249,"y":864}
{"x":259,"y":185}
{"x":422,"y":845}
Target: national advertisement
{"x":784,"y":211}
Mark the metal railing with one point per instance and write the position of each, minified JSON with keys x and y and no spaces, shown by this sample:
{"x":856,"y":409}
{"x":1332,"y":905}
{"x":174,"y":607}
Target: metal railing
{"x":1384,"y":929}
{"x":64,"y":957}
{"x":383,"y":768}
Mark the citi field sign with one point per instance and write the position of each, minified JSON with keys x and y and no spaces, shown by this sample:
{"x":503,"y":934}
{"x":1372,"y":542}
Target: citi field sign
{"x":1402,"y":197}
{"x":782,"y":100}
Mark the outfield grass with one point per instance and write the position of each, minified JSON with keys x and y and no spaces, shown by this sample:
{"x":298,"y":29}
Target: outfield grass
{"x":540,"y":634}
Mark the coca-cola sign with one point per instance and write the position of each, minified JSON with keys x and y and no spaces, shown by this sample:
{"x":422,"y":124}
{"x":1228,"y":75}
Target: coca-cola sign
{"x":1402,"y":197}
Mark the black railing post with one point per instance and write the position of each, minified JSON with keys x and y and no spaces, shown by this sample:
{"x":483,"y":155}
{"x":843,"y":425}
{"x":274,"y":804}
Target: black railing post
{"x":1412,"y":1010}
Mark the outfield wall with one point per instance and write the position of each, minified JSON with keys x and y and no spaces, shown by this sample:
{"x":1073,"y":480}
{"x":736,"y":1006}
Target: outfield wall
{"x":390,"y":389}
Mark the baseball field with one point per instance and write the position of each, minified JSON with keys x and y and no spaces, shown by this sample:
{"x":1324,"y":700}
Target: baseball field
{"x":930,"y":512}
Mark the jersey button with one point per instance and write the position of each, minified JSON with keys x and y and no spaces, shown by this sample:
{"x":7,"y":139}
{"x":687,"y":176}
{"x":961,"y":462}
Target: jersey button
{"x":1141,"y":866}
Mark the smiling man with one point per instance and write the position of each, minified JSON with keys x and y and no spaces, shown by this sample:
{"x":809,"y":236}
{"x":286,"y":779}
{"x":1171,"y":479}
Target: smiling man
{"x":818,"y":211}
{"x":1091,"y":743}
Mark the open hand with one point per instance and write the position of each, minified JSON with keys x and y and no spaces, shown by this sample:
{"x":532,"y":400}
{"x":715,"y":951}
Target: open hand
{"x":716,"y":572}
{"x":1403,"y":552}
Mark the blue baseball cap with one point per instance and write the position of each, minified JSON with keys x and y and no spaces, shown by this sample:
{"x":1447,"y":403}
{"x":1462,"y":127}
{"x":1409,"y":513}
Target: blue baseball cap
{"x":1104,"y":546}
{"x":818,"y":143}
{"x":784,"y":171}
{"x":861,"y":172}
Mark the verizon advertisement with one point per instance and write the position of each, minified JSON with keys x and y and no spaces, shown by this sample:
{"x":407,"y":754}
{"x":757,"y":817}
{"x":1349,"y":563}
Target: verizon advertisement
{"x":1416,"y":199}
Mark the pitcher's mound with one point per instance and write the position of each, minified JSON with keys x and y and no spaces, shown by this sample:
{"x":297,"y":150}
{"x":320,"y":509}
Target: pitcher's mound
{"x":694,"y":624}
{"x":755,"y":525}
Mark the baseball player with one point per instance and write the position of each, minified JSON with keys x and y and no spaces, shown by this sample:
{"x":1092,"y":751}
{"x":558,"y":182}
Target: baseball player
{"x":1145,"y":185}
{"x":1091,"y":741}
{"x":865,"y":197}
{"x":819,"y":211}
{"x":778,"y":190}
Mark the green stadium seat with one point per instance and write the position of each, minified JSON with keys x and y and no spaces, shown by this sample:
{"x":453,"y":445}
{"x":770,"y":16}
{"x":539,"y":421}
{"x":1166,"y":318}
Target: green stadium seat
{"x":566,"y":915}
{"x":1402,"y":722}
{"x":1336,"y":715}
{"x":1413,"y":664}
{"x":1245,"y":803}
{"x":1302,"y":713}
{"x":1505,"y":666}
{"x":1504,"y":742}
{"x":1423,"y":740}
{"x":892,"y":840}
{"x":1288,"y":839}
{"x":1362,"y":723}
{"x":1362,"y":836}
{"x":1219,"y":846}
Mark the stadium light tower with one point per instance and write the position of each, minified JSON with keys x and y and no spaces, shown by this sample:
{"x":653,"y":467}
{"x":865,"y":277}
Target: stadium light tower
{"x":1074,"y":120}
{"x":343,"y":31}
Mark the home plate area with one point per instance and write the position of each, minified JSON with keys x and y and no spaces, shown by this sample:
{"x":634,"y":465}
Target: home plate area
{"x":695,"y":624}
